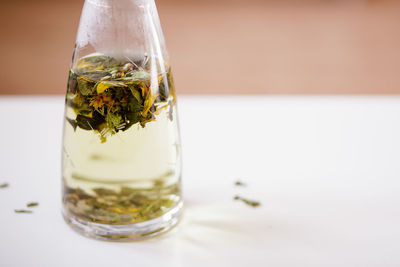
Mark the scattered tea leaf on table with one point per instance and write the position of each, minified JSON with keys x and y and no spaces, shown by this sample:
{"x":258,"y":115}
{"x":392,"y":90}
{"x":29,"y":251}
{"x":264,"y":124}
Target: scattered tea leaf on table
{"x":248,"y":202}
{"x":239,"y":183}
{"x":32,"y":204}
{"x":23,"y":211}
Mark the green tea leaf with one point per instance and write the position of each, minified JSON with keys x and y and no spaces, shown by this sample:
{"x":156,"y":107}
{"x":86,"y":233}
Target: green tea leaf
{"x":125,"y":206}
{"x":104,"y":85}
{"x":23,"y":211}
{"x":94,"y":63}
{"x":90,"y":123}
{"x":95,"y":75}
{"x":85,"y":87}
{"x":4,"y":185}
{"x":136,"y":75}
{"x":104,"y":192}
{"x":132,"y":118}
{"x":250,"y":203}
{"x":32,"y":204}
{"x":136,"y":93}
{"x":113,"y":120}
{"x":163,"y":90}
{"x":73,"y":123}
{"x":239,"y":183}
{"x":133,"y":114}
{"x":97,"y":60}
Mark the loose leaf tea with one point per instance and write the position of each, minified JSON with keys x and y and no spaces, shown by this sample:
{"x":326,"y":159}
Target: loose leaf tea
{"x":32,"y":204}
{"x":23,"y":211}
{"x":4,"y":185}
{"x":124,"y":206}
{"x":121,"y":152}
{"x":251,"y":203}
{"x":239,"y":183}
{"x":110,"y":95}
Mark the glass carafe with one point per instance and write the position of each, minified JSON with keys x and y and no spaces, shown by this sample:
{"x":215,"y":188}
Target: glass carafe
{"x":121,"y":155}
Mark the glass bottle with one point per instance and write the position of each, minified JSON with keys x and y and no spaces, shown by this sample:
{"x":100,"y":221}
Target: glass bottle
{"x":121,"y":160}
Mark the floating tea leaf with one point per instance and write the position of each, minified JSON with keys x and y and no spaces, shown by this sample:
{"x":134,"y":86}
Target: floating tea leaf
{"x":85,"y":86}
{"x":104,"y":85}
{"x":138,"y":75}
{"x":73,"y":123}
{"x":110,"y":95}
{"x":135,"y":92}
{"x":114,"y":120}
{"x":89,"y":123}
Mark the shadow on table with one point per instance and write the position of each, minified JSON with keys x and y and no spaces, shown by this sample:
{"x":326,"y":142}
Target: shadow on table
{"x":228,"y":225}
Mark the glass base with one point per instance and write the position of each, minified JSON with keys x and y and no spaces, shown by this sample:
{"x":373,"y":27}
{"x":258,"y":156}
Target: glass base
{"x":125,"y":232}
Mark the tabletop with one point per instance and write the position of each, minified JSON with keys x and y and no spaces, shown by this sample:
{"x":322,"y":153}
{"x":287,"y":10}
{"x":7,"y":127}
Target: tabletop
{"x":325,"y":170}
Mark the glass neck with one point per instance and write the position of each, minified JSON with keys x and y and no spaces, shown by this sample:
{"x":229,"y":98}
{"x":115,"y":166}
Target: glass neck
{"x":119,"y":28}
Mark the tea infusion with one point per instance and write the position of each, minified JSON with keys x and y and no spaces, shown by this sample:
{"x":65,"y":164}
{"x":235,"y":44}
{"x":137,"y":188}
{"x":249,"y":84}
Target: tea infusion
{"x":121,"y":158}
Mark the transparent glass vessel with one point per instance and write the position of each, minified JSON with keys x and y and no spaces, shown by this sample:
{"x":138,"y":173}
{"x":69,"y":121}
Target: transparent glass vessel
{"x":121,"y":160}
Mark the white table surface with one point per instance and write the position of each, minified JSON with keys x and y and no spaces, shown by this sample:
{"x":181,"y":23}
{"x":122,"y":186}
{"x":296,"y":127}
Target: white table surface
{"x":326,"y":170}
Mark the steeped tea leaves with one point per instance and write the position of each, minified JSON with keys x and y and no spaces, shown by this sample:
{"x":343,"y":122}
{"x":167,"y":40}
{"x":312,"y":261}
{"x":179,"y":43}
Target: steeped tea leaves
{"x":109,"y":95}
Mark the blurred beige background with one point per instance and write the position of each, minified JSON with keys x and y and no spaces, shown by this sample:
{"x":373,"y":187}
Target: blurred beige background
{"x":224,"y":46}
